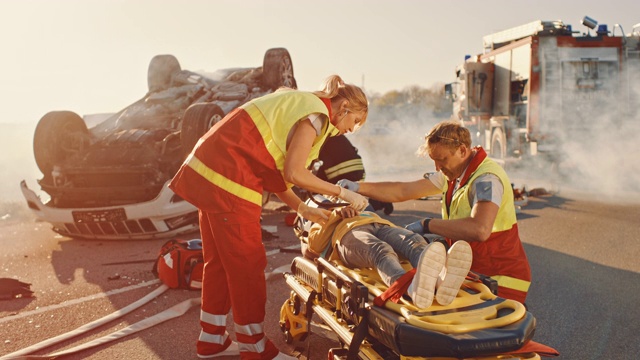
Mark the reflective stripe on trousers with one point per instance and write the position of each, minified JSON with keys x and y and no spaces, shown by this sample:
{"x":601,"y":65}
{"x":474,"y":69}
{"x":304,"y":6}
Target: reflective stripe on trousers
{"x":512,"y":288}
{"x":235,"y":261}
{"x":512,"y":283}
{"x":213,"y":337}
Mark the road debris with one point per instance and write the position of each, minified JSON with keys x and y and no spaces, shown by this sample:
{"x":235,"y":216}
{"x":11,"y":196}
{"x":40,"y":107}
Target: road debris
{"x":268,"y":232}
{"x":14,"y":289}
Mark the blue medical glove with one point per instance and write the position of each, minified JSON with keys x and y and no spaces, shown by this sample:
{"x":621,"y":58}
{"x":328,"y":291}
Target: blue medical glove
{"x":419,"y":227}
{"x":349,"y":185}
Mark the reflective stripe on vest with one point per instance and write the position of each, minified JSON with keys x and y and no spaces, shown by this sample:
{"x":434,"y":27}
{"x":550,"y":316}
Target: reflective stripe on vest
{"x":274,"y":123}
{"x":223,"y":182}
{"x":512,"y":283}
{"x":344,"y":168}
{"x":265,"y":131}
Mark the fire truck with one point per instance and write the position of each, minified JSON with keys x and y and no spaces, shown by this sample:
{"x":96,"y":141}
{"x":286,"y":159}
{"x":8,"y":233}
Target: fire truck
{"x":536,"y":86}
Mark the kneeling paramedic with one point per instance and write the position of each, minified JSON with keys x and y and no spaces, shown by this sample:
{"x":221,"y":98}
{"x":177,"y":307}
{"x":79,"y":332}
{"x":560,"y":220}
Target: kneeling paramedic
{"x":477,"y":206}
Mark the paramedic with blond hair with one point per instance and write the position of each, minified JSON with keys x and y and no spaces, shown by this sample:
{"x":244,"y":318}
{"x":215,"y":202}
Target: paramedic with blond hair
{"x":477,"y":206}
{"x":264,"y":145}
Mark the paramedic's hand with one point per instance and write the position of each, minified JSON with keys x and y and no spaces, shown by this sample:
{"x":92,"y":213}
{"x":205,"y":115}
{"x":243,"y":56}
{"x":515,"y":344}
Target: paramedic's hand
{"x":315,"y":215}
{"x":356,"y":200}
{"x":348,"y":212}
{"x":348,"y":184}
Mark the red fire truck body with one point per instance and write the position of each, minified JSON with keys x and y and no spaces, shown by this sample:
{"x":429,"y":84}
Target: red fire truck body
{"x":538,"y":85}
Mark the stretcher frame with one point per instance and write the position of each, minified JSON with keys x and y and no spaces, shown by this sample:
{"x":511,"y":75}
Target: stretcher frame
{"x":469,"y":328}
{"x":476,"y":325}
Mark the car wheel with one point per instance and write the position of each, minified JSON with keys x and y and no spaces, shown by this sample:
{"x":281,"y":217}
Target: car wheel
{"x":277,"y":69}
{"x":161,"y":71}
{"x":196,"y":121}
{"x":498,"y":144}
{"x":58,"y":135}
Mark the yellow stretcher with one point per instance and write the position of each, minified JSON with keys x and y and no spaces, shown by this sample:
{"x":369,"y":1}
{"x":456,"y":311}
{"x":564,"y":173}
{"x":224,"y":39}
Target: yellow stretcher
{"x":476,"y":325}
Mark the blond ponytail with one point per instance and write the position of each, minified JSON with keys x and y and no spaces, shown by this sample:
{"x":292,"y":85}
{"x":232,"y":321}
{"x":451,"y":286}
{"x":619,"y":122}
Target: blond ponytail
{"x":335,"y":88}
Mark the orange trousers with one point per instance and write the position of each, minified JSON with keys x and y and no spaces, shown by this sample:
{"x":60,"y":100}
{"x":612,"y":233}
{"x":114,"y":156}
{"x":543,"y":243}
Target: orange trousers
{"x":233,"y":278}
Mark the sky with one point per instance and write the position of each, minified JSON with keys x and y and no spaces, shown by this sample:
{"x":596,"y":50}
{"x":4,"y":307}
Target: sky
{"x":91,"y":56}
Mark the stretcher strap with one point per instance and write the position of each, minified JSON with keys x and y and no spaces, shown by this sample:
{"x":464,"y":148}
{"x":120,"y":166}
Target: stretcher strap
{"x":538,"y":348}
{"x":396,"y":290}
{"x":359,"y":335}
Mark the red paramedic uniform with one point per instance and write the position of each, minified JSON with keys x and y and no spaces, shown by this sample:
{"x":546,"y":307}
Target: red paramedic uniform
{"x":225,"y":176}
{"x":502,"y":255}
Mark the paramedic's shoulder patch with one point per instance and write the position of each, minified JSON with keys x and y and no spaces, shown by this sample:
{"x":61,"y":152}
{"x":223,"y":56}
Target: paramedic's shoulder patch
{"x":487,"y":187}
{"x":484,"y":190}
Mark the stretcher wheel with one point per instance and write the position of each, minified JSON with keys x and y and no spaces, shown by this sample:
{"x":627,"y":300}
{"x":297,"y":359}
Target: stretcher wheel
{"x":293,"y":323}
{"x":296,"y":305}
{"x":337,"y":354}
{"x":288,"y":338}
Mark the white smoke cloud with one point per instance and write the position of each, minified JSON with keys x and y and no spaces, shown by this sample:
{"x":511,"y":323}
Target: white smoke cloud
{"x":601,"y":160}
{"x":17,"y":160}
{"x":598,"y":146}
{"x":389,"y":141}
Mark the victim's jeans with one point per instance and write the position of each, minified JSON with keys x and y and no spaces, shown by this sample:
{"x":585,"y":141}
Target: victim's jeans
{"x":377,"y":246}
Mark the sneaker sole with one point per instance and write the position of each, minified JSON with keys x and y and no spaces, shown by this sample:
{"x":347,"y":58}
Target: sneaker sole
{"x":426,"y":277}
{"x":458,"y":265}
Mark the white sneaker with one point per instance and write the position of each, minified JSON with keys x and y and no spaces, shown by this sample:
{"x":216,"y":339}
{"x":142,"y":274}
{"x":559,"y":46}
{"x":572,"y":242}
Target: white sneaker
{"x":282,"y":356}
{"x":457,"y":267}
{"x":232,"y":350}
{"x":423,"y":285}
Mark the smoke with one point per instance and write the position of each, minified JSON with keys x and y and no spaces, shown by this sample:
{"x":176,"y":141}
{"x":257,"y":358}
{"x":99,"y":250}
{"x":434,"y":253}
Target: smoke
{"x":599,"y":157}
{"x":597,"y":145}
{"x":389,"y":140}
{"x":17,"y":160}
{"x":597,"y":148}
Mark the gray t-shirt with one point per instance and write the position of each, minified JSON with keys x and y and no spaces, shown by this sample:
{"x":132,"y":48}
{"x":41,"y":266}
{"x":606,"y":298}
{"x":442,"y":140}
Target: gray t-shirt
{"x":317,"y":120}
{"x":486,"y":187}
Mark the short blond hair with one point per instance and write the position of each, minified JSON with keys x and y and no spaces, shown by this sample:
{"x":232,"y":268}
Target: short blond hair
{"x":449,"y":133}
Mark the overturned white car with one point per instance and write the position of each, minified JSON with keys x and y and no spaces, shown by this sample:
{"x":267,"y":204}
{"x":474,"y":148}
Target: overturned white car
{"x":109,"y":181}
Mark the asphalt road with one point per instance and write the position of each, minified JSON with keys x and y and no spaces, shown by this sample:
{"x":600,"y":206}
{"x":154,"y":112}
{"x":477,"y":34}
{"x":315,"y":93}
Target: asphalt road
{"x":583,"y":252}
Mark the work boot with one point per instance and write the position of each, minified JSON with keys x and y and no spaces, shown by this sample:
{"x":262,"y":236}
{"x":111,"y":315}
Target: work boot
{"x":232,"y":350}
{"x":431,"y":263}
{"x":458,"y":264}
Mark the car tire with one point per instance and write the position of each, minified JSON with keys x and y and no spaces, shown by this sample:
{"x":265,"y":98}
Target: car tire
{"x":196,"y":121}
{"x":162,"y":68}
{"x":277,"y":69}
{"x":58,"y":135}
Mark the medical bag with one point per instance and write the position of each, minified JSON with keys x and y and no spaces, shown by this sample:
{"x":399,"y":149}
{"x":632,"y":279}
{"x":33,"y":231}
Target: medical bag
{"x":180,"y":264}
